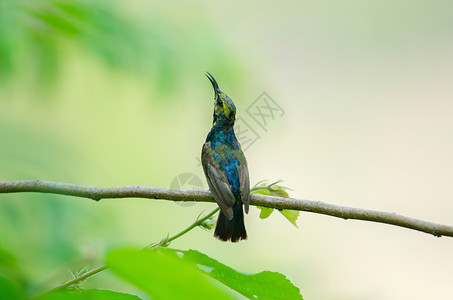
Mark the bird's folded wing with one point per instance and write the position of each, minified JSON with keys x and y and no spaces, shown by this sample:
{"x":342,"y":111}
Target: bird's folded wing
{"x":244,"y":183}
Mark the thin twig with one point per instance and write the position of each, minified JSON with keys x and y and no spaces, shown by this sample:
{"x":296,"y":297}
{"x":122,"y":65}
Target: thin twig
{"x":195,"y":224}
{"x":98,"y":193}
{"x":73,"y":281}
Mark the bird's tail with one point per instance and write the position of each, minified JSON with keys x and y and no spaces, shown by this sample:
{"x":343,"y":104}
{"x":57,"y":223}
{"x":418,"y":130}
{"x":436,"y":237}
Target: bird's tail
{"x":231,"y":230}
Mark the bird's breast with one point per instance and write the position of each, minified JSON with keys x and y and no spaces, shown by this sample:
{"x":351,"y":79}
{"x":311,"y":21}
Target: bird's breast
{"x":228,"y":163}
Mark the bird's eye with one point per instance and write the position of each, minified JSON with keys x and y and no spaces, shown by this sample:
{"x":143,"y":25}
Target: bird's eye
{"x":219,"y":102}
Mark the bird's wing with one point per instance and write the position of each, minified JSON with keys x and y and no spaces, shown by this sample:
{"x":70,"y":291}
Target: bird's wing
{"x":244,"y":181}
{"x":217,"y":182}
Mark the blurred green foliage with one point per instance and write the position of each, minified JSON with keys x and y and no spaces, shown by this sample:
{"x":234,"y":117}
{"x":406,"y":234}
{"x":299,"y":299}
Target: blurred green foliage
{"x":35,"y":30}
{"x":42,"y":236}
{"x":9,"y":290}
{"x":39,"y":34}
{"x":40,"y":223}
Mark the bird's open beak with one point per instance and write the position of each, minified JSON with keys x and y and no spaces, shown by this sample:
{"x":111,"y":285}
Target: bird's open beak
{"x":213,"y":81}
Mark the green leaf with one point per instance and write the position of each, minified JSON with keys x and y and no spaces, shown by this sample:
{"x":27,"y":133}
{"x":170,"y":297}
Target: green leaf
{"x":9,"y":290}
{"x":265,"y":211}
{"x":263,"y":285}
{"x":291,"y":215}
{"x":263,"y":190}
{"x":162,"y":274}
{"x":93,"y":294}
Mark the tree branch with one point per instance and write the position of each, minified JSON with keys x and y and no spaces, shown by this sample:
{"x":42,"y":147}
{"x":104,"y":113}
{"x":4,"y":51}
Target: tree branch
{"x":98,"y":193}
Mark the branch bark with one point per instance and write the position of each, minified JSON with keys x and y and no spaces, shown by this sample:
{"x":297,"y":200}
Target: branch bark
{"x":344,"y":212}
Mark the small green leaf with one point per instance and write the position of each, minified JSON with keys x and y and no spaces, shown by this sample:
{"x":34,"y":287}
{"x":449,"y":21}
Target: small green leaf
{"x":92,"y":294}
{"x":265,"y":211}
{"x":291,"y":215}
{"x":162,"y":276}
{"x":9,"y":290}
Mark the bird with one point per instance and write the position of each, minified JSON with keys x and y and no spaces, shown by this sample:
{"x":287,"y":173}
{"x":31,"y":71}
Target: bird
{"x":225,"y":168}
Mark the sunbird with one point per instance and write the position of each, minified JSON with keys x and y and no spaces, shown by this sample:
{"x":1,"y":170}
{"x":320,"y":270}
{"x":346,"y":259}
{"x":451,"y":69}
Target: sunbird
{"x":225,"y":168}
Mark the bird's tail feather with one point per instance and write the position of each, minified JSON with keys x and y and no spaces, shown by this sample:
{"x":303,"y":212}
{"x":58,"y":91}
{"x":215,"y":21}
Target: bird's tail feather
{"x":231,"y":230}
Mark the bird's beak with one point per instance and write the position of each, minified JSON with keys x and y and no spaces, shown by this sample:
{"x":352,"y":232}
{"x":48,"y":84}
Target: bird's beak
{"x":213,"y":82}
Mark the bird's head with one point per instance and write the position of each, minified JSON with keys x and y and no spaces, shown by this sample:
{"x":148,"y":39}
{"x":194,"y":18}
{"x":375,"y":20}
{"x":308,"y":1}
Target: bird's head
{"x":224,"y":109}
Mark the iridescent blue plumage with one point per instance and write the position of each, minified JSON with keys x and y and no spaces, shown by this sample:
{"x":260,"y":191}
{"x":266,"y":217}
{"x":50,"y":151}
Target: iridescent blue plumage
{"x":226,"y":170}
